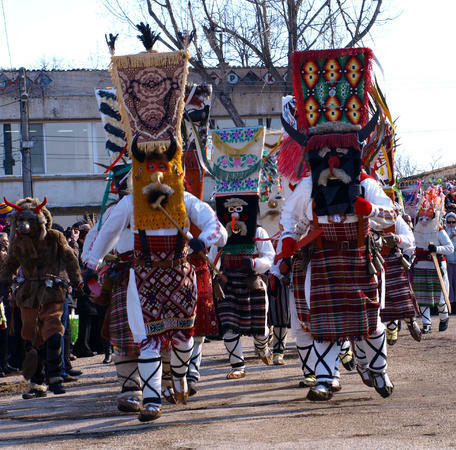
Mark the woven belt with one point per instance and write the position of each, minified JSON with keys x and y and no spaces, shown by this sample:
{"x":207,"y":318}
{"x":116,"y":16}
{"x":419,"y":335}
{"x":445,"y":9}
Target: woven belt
{"x":163,"y":264}
{"x":341,"y":245}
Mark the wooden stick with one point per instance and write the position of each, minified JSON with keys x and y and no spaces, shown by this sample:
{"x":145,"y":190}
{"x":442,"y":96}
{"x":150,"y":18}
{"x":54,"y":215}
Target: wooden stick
{"x":184,"y":235}
{"x":442,"y":283}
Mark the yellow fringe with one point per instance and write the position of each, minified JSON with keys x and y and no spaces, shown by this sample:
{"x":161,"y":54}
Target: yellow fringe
{"x":142,"y":60}
{"x":231,"y":151}
{"x":145,"y":217}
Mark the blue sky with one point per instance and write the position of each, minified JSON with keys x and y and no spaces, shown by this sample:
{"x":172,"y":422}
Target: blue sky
{"x":419,"y":77}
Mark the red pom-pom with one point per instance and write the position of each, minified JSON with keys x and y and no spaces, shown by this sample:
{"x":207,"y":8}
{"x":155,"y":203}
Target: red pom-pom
{"x":362,"y":207}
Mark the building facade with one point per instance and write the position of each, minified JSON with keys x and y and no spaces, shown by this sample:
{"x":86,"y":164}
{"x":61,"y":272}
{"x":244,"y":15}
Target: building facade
{"x":69,"y":151}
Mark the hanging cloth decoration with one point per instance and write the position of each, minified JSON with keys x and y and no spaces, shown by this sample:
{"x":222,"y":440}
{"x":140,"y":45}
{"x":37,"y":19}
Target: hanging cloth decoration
{"x":111,"y":120}
{"x":236,"y":155}
{"x":150,"y":89}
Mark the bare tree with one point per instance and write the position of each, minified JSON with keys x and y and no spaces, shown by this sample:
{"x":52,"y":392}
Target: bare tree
{"x":405,"y":165}
{"x":260,"y":33}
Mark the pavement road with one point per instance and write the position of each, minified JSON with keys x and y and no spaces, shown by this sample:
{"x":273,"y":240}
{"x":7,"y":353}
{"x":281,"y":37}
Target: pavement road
{"x":264,"y":410}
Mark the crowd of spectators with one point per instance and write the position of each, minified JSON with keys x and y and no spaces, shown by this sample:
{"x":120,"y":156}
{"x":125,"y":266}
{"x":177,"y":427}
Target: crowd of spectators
{"x":89,"y":316}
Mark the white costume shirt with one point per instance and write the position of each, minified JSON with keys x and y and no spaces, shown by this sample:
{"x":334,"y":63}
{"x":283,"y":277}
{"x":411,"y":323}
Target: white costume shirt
{"x":212,"y":233}
{"x":121,"y":215}
{"x":265,"y":250}
{"x":298,"y":208}
{"x":440,"y":239}
{"x":407,"y":239}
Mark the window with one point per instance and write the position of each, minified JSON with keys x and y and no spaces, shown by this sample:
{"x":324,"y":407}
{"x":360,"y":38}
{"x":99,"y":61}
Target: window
{"x":68,"y":147}
{"x":10,"y":155}
{"x":58,"y":148}
{"x":36,"y":135}
{"x":274,"y":123}
{"x":224,"y":123}
{"x":100,"y":154}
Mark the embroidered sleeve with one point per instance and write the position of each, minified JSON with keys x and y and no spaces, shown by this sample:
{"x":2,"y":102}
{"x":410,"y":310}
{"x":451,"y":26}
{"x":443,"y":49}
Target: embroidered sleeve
{"x":204,"y":217}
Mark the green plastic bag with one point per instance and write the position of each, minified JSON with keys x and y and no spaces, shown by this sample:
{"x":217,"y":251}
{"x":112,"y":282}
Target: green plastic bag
{"x":74,"y":323}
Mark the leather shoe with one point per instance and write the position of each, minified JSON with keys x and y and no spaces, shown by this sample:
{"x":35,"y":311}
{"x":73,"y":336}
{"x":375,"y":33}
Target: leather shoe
{"x":74,"y":372}
{"x":69,"y":379}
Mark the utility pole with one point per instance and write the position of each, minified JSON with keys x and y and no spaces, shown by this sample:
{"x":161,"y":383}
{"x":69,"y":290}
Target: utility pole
{"x":26,"y":143}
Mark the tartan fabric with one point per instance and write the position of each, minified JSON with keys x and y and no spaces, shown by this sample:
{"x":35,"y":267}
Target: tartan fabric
{"x":167,"y":294}
{"x":400,"y":301}
{"x":233,"y":262}
{"x":119,"y":330}
{"x":343,"y":296}
{"x":243,"y":310}
{"x":279,"y":310}
{"x":299,"y":280}
{"x":426,"y":286}
{"x":206,"y":316}
{"x":341,"y":231}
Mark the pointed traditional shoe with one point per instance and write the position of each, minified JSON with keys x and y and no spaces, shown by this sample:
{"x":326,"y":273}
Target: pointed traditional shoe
{"x":391,"y":336}
{"x":278,"y":360}
{"x":365,"y":375}
{"x":309,"y":381}
{"x":320,"y":393}
{"x":335,"y":385}
{"x":382,"y":384}
{"x":443,"y":324}
{"x":181,"y":397}
{"x":347,"y":360}
{"x":169,"y":395}
{"x":235,"y":374}
{"x":414,"y":330}
{"x":266,"y":356}
{"x":129,"y":401}
{"x":149,"y":413}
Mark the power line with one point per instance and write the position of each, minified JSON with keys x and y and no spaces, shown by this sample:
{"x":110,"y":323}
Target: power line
{"x":6,"y":34}
{"x":10,"y":103}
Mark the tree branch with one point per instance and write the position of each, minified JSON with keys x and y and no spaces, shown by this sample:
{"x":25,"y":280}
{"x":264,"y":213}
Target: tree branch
{"x":368,"y":26}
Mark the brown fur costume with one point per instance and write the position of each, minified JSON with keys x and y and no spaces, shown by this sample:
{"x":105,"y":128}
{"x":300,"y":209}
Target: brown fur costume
{"x":42,"y":255}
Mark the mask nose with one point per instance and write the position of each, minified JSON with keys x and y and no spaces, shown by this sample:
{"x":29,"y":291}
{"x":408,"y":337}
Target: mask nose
{"x":234,"y":217}
{"x":333,"y":163}
{"x":24,"y":228}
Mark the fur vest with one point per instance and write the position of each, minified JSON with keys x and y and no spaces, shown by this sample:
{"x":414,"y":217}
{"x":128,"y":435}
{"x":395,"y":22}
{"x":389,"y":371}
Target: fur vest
{"x":40,"y":260}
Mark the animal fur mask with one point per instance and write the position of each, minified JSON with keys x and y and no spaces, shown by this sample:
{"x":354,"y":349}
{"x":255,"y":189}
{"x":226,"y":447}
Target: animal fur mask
{"x":30,"y":217}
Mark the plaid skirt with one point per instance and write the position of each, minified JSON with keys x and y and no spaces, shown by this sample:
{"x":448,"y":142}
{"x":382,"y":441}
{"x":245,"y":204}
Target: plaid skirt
{"x":243,"y":310}
{"x":300,"y":264}
{"x":344,"y":299}
{"x":426,"y":286}
{"x":167,"y":294}
{"x":400,"y":301}
{"x":119,"y":330}
{"x":279,"y":310}
{"x":206,"y":317}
